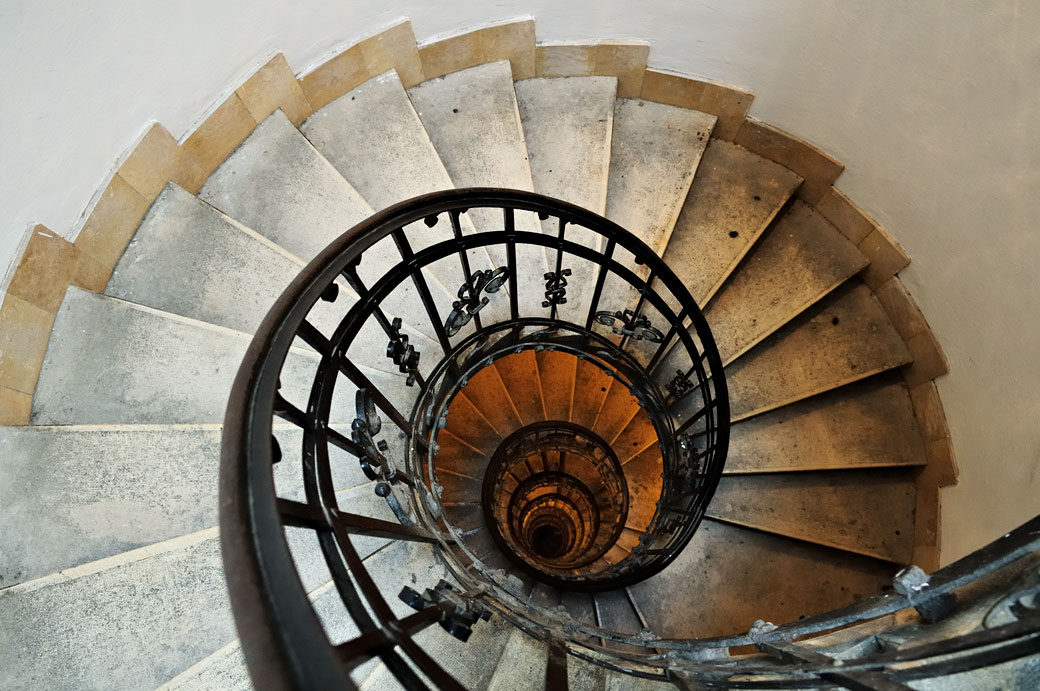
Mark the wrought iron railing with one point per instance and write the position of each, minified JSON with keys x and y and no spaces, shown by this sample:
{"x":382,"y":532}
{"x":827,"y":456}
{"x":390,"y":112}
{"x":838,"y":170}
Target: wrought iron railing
{"x":362,"y":356}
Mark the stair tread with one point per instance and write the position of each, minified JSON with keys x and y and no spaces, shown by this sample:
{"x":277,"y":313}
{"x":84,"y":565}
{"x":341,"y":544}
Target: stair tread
{"x":797,"y":262}
{"x":488,"y":394}
{"x":635,"y":438}
{"x":868,"y":511}
{"x":866,"y":424}
{"x":729,"y":576}
{"x":279,"y":185}
{"x":519,"y":373}
{"x":567,"y":124}
{"x":189,"y":259}
{"x":655,"y":149}
{"x":130,"y":625}
{"x":374,"y":138}
{"x":843,"y":338}
{"x":617,"y":411}
{"x":615,"y":613}
{"x":643,"y":475}
{"x":471,"y":117}
{"x":556,"y":374}
{"x":522,"y":664}
{"x":458,"y":456}
{"x":590,"y":388}
{"x":735,"y":191}
{"x":467,"y":423}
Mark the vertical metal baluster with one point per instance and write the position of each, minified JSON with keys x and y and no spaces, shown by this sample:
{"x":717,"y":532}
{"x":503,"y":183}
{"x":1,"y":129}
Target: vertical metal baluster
{"x":424,"y":290}
{"x":559,"y":261}
{"x":639,"y":306}
{"x":509,"y":218}
{"x":663,"y":348}
{"x":608,"y":252}
{"x":467,"y":273}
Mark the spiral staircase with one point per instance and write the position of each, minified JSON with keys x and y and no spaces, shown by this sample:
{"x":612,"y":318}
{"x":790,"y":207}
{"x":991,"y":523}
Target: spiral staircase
{"x":541,"y":390}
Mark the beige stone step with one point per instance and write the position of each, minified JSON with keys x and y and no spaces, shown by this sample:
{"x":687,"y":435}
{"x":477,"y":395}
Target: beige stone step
{"x":862,"y":425}
{"x":619,"y":407}
{"x":556,"y":372}
{"x":590,"y":388}
{"x":870,"y":511}
{"x":733,"y":199}
{"x":797,"y":262}
{"x":729,"y":576}
{"x":615,"y":613}
{"x":655,"y":149}
{"x":519,"y":374}
{"x":844,"y":338}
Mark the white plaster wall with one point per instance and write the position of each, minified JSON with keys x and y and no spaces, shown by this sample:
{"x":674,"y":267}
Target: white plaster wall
{"x":931,"y":105}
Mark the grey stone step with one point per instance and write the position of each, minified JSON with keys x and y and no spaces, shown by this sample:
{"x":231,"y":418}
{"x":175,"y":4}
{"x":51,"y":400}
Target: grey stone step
{"x":779,"y":580}
{"x":521,"y":666}
{"x":862,"y":425}
{"x":734,"y":197}
{"x":374,"y":138}
{"x":797,"y":262}
{"x":474,"y":123}
{"x":106,"y":490}
{"x":869,"y":511}
{"x":277,"y":184}
{"x":614,"y":612}
{"x":844,"y":338}
{"x":114,"y":362}
{"x":129,"y":622}
{"x":655,"y":150}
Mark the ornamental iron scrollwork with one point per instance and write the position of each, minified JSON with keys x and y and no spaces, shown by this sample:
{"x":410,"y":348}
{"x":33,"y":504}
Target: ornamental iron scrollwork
{"x":471,"y":299}
{"x":628,"y":323}
{"x":363,"y":430}
{"x":680,"y":385}
{"x":556,"y":287}
{"x":690,"y":463}
{"x":404,"y":355}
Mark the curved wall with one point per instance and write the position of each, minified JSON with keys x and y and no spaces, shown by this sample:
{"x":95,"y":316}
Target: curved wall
{"x":933,"y":111}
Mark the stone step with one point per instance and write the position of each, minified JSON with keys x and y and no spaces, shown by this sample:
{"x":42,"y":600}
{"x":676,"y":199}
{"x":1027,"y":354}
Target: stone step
{"x":490,"y":396}
{"x":521,"y":666}
{"x":473,"y":120}
{"x":519,"y":373}
{"x":614,"y":612}
{"x":556,"y":372}
{"x":643,"y":475}
{"x":844,"y":338}
{"x":655,"y":150}
{"x":869,"y":512}
{"x":637,"y":437}
{"x":779,"y":580}
{"x":374,"y":138}
{"x":277,"y":184}
{"x":128,"y":622}
{"x":579,"y":606}
{"x":866,"y":424}
{"x":590,"y":388}
{"x":797,"y":262}
{"x":106,"y":490}
{"x":618,"y":409}
{"x":459,"y":457}
{"x":114,"y":362}
{"x":733,"y":199}
{"x":466,"y":422}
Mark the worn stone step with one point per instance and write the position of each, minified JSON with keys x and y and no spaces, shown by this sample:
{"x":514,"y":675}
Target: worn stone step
{"x":797,"y":262}
{"x":868,"y":511}
{"x":467,"y":423}
{"x":643,"y":475}
{"x":374,"y":138}
{"x":734,"y":197}
{"x":614,"y":612}
{"x":556,"y":372}
{"x":844,"y":338}
{"x":472,"y":118}
{"x":779,"y":580}
{"x":277,"y":184}
{"x":590,"y":388}
{"x":619,"y":407}
{"x":108,"y":489}
{"x":129,"y":622}
{"x":457,"y":456}
{"x":655,"y":150}
{"x":489,"y":395}
{"x":519,"y":373}
{"x":637,"y":436}
{"x":187,"y":258}
{"x":110,"y":361}
{"x":521,"y":666}
{"x":862,"y":425}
